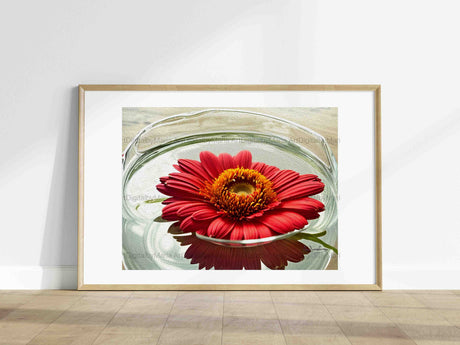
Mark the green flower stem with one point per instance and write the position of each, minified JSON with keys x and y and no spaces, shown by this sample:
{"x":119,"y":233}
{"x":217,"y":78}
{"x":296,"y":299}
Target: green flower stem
{"x":318,"y":234}
{"x":151,"y":201}
{"x":314,"y":238}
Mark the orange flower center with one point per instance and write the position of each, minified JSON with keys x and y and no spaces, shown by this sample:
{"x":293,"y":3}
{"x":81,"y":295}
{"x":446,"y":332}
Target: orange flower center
{"x":240,"y":192}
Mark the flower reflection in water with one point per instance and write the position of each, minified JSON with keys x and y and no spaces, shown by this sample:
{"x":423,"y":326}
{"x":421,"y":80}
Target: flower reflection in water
{"x":275,"y":255}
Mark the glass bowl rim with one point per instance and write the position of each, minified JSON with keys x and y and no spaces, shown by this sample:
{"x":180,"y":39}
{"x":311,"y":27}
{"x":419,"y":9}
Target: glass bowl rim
{"x":171,"y":118}
{"x":252,"y":242}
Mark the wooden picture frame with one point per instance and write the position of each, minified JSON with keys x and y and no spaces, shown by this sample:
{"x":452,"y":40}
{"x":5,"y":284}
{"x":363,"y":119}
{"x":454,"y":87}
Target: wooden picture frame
{"x":87,"y":145}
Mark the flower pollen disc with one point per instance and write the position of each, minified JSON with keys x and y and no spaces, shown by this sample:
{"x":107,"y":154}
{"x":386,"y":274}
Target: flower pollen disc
{"x":240,"y":192}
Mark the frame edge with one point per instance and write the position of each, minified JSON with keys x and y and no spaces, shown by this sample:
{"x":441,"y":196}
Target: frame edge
{"x":378,"y":186}
{"x":375,"y":88}
{"x":231,"y":287}
{"x":234,"y":87}
{"x":81,"y":164}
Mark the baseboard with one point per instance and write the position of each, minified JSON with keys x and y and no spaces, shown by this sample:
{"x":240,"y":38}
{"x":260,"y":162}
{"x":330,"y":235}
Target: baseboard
{"x":421,"y":279}
{"x":65,"y":277}
{"x":38,"y":277}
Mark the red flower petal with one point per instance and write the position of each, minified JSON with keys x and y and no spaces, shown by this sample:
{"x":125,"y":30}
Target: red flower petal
{"x":210,"y":163}
{"x":169,"y":212}
{"x":293,"y":182}
{"x":220,"y":227}
{"x":226,"y":161}
{"x":250,"y":231}
{"x":182,"y":186}
{"x":186,"y":177}
{"x":283,"y":177}
{"x":190,"y":225}
{"x":306,"y":204}
{"x":205,"y":214}
{"x":171,"y":200}
{"x":193,"y":167}
{"x":263,"y":230}
{"x":202,"y":231}
{"x":267,"y":170}
{"x":189,"y":208}
{"x":308,"y":177}
{"x":237,"y":233}
{"x":301,"y":190}
{"x":283,"y":221}
{"x":243,"y":159}
{"x":178,"y":193}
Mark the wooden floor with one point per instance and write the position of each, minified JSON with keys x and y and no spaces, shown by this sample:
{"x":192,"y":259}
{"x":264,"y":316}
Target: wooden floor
{"x":284,"y":317}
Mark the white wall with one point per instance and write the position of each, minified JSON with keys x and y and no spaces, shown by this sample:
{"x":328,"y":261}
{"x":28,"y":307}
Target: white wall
{"x":410,"y":47}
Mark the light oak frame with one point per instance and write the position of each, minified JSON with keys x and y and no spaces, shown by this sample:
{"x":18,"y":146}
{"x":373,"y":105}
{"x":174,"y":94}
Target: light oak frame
{"x":376,"y":89}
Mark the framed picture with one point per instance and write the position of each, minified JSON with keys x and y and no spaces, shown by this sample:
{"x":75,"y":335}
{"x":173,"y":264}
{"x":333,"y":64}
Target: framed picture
{"x":229,"y":187}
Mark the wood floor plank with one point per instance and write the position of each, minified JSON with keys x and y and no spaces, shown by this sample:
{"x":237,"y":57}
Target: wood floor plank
{"x":82,"y":322}
{"x":124,"y":339}
{"x":433,"y":334}
{"x":389,"y":299}
{"x":364,"y":325}
{"x":195,"y":318}
{"x":425,"y":326}
{"x":295,"y":297}
{"x":451,"y":315}
{"x":308,"y":324}
{"x":49,"y":317}
{"x":416,"y":316}
{"x":10,"y":302}
{"x":343,"y":298}
{"x":24,"y":323}
{"x":250,"y":318}
{"x":444,"y":301}
{"x":238,"y":330}
{"x":141,"y":316}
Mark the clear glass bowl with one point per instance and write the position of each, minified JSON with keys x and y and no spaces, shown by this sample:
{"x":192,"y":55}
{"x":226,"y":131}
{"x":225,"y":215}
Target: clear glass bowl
{"x":270,"y":139}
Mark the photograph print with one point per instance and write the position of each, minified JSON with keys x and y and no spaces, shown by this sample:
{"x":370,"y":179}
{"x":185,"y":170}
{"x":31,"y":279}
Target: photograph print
{"x":230,"y":189}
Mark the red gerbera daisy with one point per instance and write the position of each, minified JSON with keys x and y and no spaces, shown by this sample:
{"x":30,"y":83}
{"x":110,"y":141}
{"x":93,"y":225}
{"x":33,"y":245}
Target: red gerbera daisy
{"x":233,"y":198}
